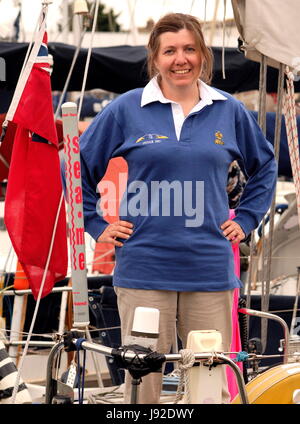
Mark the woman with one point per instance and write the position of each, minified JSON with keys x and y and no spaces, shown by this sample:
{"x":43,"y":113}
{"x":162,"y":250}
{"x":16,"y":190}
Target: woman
{"x":173,"y":240}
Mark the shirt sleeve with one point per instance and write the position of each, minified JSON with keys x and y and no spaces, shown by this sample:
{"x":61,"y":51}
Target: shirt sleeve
{"x":97,"y":146}
{"x":260,"y":168}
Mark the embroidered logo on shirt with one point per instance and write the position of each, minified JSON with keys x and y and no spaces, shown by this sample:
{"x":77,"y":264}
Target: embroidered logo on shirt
{"x":219,"y":137}
{"x":150,"y":138}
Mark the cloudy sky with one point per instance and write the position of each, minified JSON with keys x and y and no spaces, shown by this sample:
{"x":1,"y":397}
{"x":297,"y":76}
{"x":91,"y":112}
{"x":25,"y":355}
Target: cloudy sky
{"x":142,"y":10}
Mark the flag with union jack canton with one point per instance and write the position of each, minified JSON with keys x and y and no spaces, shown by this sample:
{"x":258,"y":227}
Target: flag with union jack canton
{"x":34,"y":183}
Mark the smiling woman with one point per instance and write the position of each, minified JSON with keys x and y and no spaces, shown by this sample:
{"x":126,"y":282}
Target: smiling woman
{"x":178,"y":136}
{"x":179,"y":63}
{"x":187,"y":26}
{"x":178,"y":56}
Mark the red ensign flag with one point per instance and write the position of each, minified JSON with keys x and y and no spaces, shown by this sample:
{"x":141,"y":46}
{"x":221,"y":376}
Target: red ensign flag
{"x":34,"y":183}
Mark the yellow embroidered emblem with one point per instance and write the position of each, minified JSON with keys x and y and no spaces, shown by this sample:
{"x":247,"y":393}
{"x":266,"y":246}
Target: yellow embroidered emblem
{"x":151,"y":137}
{"x":219,"y":137}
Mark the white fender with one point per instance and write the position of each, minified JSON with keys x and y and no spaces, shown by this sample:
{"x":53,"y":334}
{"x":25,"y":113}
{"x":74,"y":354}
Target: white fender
{"x":8,"y":374}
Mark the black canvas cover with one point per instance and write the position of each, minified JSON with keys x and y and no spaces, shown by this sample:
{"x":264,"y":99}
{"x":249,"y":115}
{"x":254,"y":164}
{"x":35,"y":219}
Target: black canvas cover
{"x":122,"y":68}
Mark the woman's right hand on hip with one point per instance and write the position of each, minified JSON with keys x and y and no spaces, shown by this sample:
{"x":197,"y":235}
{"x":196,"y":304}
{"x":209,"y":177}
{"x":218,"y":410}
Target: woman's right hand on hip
{"x":119,"y":229}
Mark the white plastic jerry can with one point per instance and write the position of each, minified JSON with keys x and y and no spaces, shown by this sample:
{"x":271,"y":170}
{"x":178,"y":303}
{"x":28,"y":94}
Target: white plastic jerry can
{"x":205,"y":382}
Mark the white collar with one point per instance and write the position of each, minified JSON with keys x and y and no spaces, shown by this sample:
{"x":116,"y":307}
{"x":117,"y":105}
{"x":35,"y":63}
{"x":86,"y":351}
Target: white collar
{"x":153,"y":93}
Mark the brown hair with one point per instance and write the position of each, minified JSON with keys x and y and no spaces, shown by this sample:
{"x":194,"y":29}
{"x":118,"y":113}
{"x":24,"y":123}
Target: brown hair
{"x":174,"y":22}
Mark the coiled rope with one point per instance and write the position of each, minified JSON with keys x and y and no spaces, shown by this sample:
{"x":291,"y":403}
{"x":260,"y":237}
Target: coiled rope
{"x":188,"y":359}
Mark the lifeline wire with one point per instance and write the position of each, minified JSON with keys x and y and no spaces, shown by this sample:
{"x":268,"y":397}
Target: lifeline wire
{"x":96,"y":364}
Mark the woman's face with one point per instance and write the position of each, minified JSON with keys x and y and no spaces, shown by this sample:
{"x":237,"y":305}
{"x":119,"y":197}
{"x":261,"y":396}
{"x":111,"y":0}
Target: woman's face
{"x":178,"y":60}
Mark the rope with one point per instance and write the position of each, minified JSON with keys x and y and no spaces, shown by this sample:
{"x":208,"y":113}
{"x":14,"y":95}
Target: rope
{"x":289,"y":111}
{"x":187,"y":362}
{"x":241,"y":356}
{"x":132,"y":11}
{"x":109,"y":395}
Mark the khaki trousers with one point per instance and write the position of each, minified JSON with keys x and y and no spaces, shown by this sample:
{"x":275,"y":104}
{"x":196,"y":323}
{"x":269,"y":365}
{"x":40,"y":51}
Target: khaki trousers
{"x":191,"y":311}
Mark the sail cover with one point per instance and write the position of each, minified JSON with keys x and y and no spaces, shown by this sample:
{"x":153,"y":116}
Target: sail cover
{"x":271,"y":28}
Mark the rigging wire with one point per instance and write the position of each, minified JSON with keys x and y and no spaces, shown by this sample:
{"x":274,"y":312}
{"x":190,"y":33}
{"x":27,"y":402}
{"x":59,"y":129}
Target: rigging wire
{"x":88,"y":58}
{"x":132,"y":21}
{"x":63,"y":28}
{"x":295,"y":309}
{"x":31,"y":43}
{"x":96,"y":363}
{"x":192,"y":5}
{"x":57,"y":112}
{"x":205,"y":10}
{"x":4,"y":161}
{"x":7,"y":258}
{"x":9,"y":302}
{"x":223,"y":41}
{"x":292,"y":134}
{"x":15,"y":390}
{"x":101,"y":256}
{"x":76,"y":53}
{"x":28,"y":52}
{"x":280,"y":92}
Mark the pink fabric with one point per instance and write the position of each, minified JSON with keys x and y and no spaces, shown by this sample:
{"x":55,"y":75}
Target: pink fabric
{"x":236,"y":340}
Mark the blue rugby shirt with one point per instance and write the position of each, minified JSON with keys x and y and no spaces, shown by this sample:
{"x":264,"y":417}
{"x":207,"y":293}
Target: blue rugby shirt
{"x":164,"y":252}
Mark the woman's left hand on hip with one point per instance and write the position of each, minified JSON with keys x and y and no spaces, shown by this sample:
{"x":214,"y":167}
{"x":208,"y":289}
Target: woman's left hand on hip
{"x":232,"y":231}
